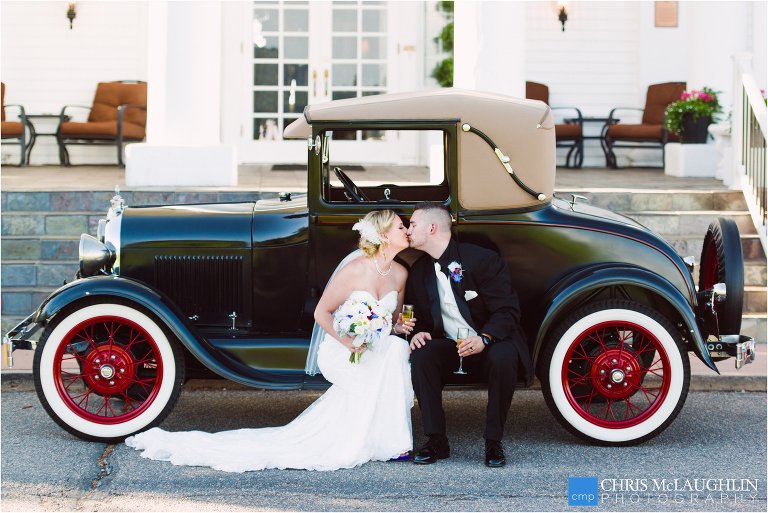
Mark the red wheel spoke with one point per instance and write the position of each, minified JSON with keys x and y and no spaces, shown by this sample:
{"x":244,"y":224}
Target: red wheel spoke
{"x":145,"y":383}
{"x":582,"y":379}
{"x":72,"y":381}
{"x":109,"y":406}
{"x":631,"y":408}
{"x":104,"y":407}
{"x":134,"y":339}
{"x":147,"y":359}
{"x":127,"y":400}
{"x":584,"y":353}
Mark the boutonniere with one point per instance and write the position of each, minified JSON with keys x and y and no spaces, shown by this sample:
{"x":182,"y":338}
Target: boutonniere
{"x":457,"y":273}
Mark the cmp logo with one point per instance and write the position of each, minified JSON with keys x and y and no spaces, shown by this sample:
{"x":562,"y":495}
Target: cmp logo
{"x":582,"y":491}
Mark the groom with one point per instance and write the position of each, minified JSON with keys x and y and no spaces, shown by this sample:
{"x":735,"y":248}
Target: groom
{"x":459,"y":285}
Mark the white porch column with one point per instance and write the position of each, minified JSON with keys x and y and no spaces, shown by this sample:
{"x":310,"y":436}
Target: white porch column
{"x":183,"y":145}
{"x":489,"y":46}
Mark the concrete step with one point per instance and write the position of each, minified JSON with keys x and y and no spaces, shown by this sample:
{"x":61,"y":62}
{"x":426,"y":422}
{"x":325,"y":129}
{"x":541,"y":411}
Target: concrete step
{"x":633,"y":201}
{"x":686,"y":245}
{"x":690,"y":222}
{"x":755,"y":299}
{"x":754,"y":274}
{"x":755,"y":326}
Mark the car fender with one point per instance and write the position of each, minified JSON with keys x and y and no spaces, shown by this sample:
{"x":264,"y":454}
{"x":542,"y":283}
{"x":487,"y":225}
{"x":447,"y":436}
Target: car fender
{"x":166,"y":311}
{"x":575,"y":286}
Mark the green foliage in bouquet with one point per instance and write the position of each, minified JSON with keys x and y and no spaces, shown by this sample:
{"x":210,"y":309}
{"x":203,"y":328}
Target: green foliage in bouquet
{"x":700,"y":104}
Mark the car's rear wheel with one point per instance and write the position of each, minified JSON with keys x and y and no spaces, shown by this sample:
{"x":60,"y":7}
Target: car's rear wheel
{"x":107,"y":370}
{"x":615,"y":373}
{"x":722,"y":261}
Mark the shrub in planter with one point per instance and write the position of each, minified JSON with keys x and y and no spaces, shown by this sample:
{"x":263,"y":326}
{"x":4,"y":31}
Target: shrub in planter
{"x":690,"y":116}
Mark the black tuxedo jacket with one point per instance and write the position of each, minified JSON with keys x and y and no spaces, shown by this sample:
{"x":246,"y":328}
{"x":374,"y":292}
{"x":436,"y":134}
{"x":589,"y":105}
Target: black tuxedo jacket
{"x":496,"y":309}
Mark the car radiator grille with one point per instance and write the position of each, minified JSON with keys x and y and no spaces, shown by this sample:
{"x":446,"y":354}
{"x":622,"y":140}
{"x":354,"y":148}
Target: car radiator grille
{"x":207,"y":286}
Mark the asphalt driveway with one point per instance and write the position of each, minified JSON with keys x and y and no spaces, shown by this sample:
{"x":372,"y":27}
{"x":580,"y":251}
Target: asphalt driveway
{"x":719,"y":437}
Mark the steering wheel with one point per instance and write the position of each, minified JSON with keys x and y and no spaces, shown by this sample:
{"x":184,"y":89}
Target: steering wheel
{"x":349,"y":186}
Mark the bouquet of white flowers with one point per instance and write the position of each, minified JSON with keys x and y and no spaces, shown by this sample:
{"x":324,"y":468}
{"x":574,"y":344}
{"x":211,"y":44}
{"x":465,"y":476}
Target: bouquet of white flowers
{"x":363,"y":320}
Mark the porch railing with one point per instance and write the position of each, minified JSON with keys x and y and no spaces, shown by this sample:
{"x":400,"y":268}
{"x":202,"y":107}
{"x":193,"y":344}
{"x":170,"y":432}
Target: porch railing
{"x":749,"y":126}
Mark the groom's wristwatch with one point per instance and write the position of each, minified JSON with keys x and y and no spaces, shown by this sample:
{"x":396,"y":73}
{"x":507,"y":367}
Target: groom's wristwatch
{"x":486,"y":339}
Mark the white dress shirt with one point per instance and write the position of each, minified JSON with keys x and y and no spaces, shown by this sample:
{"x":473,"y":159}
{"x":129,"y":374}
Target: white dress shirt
{"x":452,"y":319}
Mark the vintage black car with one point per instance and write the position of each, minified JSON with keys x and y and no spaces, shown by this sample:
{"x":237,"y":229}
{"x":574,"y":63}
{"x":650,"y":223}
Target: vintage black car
{"x":163,"y":293}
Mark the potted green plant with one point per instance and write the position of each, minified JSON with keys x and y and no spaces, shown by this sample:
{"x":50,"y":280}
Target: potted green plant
{"x":690,"y":116}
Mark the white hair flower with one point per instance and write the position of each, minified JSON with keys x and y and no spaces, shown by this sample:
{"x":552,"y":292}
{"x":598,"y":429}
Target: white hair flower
{"x":367,"y":231}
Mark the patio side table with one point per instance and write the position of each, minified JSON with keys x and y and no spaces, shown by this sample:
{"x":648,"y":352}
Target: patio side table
{"x":599,"y":136}
{"x":34,"y":133}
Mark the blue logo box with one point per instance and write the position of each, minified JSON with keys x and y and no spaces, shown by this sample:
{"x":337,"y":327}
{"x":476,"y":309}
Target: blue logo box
{"x":583,"y":491}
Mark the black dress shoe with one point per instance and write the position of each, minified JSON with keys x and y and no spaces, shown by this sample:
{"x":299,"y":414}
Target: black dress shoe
{"x":494,"y":454}
{"x":435,"y":449}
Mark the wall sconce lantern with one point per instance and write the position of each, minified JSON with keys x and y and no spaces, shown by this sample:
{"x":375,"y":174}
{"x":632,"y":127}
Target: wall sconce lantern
{"x":562,"y":12}
{"x":71,"y":13}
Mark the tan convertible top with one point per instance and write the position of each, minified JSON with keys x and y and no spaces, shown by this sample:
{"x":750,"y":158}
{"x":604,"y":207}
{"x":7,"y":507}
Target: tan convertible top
{"x":522,"y":129}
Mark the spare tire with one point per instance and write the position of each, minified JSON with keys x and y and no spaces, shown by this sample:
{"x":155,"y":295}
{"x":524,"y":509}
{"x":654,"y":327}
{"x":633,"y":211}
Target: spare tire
{"x":723,"y":262}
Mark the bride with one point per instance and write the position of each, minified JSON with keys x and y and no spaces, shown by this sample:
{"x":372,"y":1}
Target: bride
{"x":365,"y":414}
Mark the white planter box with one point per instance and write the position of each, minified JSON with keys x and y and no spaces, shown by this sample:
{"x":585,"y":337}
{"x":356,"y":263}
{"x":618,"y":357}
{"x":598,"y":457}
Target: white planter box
{"x":694,"y":160}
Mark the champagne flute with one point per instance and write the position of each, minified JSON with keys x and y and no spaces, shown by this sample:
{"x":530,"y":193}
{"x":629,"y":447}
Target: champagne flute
{"x":407,"y":316}
{"x":463,"y":334}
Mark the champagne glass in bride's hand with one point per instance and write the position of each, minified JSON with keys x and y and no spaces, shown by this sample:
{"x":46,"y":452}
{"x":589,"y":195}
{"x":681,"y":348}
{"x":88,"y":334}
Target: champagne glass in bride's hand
{"x":461,"y":336}
{"x":407,"y":315}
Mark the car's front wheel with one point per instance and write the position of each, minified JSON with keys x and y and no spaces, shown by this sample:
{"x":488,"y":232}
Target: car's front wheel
{"x":106,"y":370}
{"x":615,"y":373}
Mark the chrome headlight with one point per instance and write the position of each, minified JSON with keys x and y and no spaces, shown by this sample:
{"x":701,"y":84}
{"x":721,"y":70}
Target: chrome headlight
{"x":95,"y":255}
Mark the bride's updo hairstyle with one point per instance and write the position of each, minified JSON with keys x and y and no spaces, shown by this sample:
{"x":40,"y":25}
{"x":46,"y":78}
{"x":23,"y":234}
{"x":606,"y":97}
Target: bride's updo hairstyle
{"x":371,"y":228}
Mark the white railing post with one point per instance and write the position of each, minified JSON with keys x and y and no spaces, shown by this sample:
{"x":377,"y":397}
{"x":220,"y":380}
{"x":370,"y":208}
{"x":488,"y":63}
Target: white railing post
{"x":741,"y":62}
{"x":749,"y":123}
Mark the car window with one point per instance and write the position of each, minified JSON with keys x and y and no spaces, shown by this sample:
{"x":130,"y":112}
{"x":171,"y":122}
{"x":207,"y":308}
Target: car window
{"x":397,"y":165}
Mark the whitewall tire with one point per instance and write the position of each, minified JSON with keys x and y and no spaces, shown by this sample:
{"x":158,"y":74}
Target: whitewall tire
{"x":106,"y":370}
{"x":615,"y":373}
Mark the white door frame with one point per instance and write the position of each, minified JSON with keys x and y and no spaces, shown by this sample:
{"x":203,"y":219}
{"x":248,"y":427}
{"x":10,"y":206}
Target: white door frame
{"x":405,"y":40}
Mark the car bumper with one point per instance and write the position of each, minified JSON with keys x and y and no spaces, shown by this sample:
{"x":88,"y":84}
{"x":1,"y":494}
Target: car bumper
{"x":20,"y":338}
{"x":740,"y":347}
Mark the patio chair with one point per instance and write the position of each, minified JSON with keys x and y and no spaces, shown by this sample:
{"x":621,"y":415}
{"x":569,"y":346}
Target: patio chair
{"x":567,"y":135}
{"x":15,"y":129}
{"x":118,"y":116}
{"x":650,"y":132}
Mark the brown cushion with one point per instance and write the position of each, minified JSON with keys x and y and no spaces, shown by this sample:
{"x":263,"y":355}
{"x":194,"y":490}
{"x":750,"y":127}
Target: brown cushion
{"x":635,"y":132}
{"x":11,"y":129}
{"x":110,"y":95}
{"x":537,"y":91}
{"x":658,"y":99}
{"x":101,"y":130}
{"x":568,"y":131}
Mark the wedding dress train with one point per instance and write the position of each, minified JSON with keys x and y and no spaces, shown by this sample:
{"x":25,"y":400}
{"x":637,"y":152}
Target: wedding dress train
{"x":364,"y":416}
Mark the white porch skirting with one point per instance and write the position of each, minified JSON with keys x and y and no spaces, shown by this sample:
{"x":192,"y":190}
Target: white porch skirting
{"x":150,"y":165}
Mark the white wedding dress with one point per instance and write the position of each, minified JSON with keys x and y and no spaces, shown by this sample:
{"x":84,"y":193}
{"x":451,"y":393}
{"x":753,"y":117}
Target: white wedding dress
{"x":364,"y":416}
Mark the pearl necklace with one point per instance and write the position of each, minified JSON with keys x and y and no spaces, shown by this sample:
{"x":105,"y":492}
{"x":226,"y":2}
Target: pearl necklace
{"x":378,"y":270}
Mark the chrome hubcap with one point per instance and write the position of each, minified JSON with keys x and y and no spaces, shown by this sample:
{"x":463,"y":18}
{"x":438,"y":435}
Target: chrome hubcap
{"x":107,"y":371}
